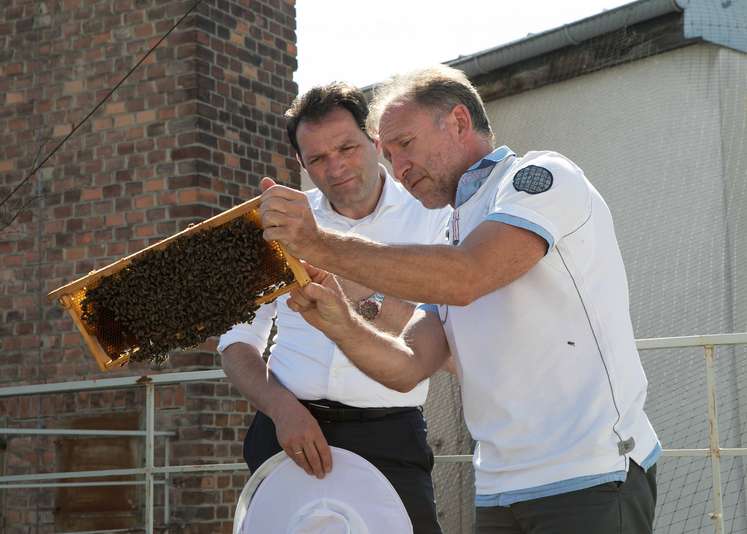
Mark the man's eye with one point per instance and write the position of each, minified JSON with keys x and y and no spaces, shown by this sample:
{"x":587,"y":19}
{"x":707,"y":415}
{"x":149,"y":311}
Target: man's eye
{"x":405,"y":142}
{"x":348,"y":148}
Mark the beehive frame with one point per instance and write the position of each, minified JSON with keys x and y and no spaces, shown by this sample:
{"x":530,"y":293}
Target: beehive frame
{"x":70,"y":296}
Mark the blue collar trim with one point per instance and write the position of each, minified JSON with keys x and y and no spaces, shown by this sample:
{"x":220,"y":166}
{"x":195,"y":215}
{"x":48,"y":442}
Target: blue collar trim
{"x":472,"y":180}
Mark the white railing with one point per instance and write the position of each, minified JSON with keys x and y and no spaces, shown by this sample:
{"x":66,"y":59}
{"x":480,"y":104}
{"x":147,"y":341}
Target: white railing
{"x":149,"y":471}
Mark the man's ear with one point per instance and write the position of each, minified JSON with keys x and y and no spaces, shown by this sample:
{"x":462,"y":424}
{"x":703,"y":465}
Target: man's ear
{"x":462,"y":119}
{"x":377,"y":143}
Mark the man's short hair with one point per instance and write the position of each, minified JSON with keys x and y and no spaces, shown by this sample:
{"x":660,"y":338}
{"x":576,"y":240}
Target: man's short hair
{"x":317,"y":102}
{"x":439,"y":87}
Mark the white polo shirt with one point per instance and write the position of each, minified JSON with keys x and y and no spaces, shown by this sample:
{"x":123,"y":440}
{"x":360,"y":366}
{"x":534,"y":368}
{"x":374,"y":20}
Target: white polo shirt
{"x":552,"y":384}
{"x":302,"y":358}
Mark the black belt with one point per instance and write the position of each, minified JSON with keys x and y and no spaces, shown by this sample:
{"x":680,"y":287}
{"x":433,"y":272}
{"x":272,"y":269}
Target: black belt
{"x":336,"y":412}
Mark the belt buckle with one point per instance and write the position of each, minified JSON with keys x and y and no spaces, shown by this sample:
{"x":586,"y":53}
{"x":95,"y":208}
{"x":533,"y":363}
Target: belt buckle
{"x":325,"y":414}
{"x":315,"y":405}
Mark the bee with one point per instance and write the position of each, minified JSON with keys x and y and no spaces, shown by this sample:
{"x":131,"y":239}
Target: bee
{"x":198,"y":287}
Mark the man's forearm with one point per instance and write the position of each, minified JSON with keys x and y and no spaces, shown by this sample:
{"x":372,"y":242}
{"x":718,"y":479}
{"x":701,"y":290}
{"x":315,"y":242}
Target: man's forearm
{"x":394,"y":314}
{"x":247,"y":371}
{"x":419,"y":273}
{"x":383,"y":357}
{"x":492,"y":256}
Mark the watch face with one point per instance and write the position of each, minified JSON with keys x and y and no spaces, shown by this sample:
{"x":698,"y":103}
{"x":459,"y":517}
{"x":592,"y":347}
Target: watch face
{"x":369,"y":309}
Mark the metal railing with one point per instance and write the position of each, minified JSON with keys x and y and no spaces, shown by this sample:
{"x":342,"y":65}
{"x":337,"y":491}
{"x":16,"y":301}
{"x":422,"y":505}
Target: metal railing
{"x":149,"y":471}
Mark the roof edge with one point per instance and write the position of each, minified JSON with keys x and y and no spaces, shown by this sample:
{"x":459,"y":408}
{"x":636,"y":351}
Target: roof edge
{"x":574,"y":33}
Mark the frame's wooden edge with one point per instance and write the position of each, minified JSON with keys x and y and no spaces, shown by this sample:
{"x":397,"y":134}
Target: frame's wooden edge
{"x":299,"y":271}
{"x":99,"y":354}
{"x":264,"y":299}
{"x":217,"y":220}
{"x":119,"y":362}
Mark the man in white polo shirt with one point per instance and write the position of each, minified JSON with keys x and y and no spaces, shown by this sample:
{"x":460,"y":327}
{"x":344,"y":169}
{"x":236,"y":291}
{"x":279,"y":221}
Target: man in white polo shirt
{"x":309,"y":395}
{"x":531,"y":298}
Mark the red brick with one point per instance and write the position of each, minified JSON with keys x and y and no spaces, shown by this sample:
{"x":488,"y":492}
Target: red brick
{"x":100,"y":39}
{"x":14,"y":98}
{"x":134,"y":217}
{"x":145,"y":231}
{"x":11,"y":260}
{"x":84,"y":239}
{"x":127,"y":119}
{"x":111,"y":194}
{"x":12,"y":69}
{"x":91,"y":194}
{"x":74,"y":254}
{"x":144,"y":201}
{"x":18,"y":124}
{"x":61,"y":130}
{"x":75,"y":86}
{"x":192,"y":152}
{"x":102,"y":123}
{"x":115,"y":107}
{"x":144,"y":30}
{"x":145,"y":116}
{"x":115,"y":249}
{"x":166,"y":114}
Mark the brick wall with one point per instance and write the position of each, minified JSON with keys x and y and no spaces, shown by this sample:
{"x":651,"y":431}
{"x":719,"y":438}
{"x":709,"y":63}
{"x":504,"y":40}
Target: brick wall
{"x":188,"y":135}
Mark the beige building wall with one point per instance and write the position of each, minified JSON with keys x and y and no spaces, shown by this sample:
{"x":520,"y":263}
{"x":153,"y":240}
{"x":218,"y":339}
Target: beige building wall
{"x":648,"y":136}
{"x":663,"y":140}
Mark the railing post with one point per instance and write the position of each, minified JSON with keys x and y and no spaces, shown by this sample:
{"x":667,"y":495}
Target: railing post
{"x":713,"y":442}
{"x":150,"y":424}
{"x":166,"y":483}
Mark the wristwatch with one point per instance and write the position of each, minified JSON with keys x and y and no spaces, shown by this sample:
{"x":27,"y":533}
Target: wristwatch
{"x":370,"y":307}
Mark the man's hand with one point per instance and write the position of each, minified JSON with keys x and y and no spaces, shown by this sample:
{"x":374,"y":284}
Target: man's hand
{"x":323,"y":304}
{"x":296,"y":429}
{"x":301,"y":438}
{"x":287,"y":218}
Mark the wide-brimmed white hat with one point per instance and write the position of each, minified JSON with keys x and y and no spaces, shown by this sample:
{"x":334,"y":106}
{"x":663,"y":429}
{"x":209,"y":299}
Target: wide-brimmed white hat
{"x":354,"y":498}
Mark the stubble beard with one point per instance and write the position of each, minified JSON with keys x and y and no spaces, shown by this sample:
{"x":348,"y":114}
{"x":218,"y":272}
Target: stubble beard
{"x":445,"y":182}
{"x":351,"y":199}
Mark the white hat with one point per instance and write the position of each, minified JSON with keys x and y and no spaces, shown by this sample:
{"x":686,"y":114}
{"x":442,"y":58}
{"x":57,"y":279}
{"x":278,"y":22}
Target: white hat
{"x":354,"y":498}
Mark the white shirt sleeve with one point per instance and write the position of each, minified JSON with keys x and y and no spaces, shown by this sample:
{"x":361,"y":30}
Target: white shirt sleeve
{"x":254,"y":334}
{"x":546,"y":194}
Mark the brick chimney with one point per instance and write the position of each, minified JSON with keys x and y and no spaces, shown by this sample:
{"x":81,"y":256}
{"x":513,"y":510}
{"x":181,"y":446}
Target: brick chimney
{"x":187,"y":136}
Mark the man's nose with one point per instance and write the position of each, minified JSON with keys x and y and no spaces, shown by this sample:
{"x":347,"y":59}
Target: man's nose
{"x":401,"y":166}
{"x":335,"y":166}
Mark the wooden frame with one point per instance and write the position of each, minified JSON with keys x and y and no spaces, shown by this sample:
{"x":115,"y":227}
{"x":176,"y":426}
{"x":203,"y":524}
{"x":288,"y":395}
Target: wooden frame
{"x":70,"y":295}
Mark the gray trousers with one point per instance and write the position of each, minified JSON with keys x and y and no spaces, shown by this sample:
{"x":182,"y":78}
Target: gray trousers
{"x":612,"y":508}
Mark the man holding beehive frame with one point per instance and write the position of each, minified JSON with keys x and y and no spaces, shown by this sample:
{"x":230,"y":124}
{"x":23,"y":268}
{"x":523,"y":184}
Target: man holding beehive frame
{"x":530,"y":297}
{"x":309,"y":395}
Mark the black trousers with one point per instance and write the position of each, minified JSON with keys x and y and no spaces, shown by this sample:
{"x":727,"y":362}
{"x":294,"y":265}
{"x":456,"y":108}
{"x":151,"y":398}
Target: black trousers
{"x":612,"y":508}
{"x":396,"y":444}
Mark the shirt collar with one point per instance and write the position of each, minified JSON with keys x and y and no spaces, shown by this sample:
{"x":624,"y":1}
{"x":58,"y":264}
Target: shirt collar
{"x":389,"y":198}
{"x":476,"y":175}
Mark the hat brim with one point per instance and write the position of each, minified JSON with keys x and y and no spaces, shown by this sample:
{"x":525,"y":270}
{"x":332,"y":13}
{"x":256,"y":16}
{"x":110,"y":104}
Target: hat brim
{"x":354,"y":484}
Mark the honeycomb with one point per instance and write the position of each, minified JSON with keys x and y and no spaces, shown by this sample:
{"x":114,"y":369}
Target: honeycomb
{"x":176,"y":297}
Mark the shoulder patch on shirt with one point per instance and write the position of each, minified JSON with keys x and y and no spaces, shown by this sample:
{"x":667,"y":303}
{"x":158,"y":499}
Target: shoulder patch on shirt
{"x":533,"y":180}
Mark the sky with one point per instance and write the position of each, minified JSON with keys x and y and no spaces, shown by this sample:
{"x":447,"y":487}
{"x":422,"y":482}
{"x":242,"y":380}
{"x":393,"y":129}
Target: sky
{"x":364,"y":42}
